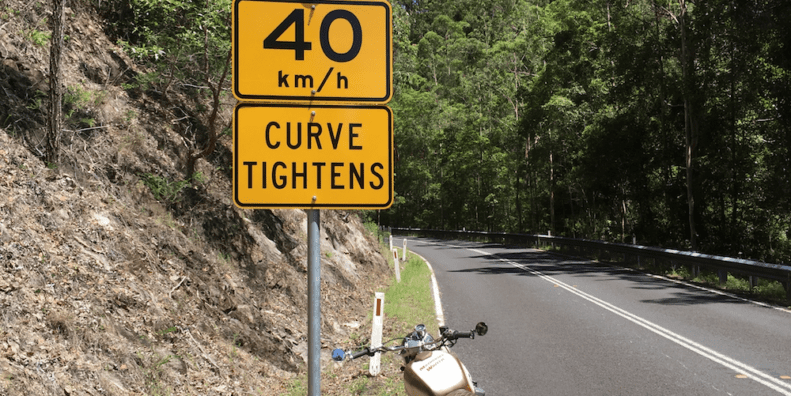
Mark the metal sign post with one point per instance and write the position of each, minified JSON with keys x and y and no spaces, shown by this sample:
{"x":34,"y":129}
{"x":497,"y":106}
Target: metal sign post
{"x":314,"y":302}
{"x":292,"y":148}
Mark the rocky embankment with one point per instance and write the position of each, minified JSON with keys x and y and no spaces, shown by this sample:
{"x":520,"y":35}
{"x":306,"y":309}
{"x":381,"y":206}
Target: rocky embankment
{"x":110,"y":287}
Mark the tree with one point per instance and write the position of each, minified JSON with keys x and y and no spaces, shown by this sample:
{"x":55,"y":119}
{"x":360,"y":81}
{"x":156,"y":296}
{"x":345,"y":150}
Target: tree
{"x":665,"y":120}
{"x":187,"y":44}
{"x":55,"y":93}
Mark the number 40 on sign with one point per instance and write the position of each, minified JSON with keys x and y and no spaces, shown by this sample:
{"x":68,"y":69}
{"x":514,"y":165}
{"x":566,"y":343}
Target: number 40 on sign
{"x":333,"y":51}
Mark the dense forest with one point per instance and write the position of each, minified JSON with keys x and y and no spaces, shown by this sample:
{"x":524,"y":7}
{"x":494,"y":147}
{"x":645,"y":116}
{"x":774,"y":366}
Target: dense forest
{"x":664,"y":122}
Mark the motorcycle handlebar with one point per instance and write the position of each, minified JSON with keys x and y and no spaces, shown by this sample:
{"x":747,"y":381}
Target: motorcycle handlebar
{"x":446,"y":335}
{"x":453,"y":335}
{"x":464,"y":334}
{"x":362,"y":353}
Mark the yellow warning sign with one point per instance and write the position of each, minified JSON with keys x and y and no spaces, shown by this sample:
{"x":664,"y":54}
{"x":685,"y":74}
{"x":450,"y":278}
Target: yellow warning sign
{"x":313,"y":156}
{"x":326,"y":50}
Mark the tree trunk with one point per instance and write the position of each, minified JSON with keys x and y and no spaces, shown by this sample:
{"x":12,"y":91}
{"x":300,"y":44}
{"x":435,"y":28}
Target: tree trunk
{"x":518,"y":204}
{"x":551,"y":193}
{"x":687,"y":69}
{"x":55,"y":109}
{"x":664,"y":131}
{"x":216,"y":90}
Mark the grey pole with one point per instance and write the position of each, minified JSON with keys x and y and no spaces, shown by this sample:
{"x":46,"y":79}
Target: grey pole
{"x":314,"y":303}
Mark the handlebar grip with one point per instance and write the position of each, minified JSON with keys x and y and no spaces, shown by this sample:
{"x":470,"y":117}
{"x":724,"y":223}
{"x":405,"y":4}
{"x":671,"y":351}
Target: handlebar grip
{"x":464,"y":334}
{"x":455,"y":335}
{"x":362,"y":353}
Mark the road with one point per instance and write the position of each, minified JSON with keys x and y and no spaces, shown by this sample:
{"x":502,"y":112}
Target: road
{"x":566,"y":326}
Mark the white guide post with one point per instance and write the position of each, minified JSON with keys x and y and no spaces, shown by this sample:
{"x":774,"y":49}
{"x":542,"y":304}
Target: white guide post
{"x":374,"y":366}
{"x":391,"y":241}
{"x":403,"y":256}
{"x":397,"y":266}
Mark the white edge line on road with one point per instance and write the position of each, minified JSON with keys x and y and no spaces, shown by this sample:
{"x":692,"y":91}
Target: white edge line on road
{"x":726,"y":361}
{"x":434,"y":291}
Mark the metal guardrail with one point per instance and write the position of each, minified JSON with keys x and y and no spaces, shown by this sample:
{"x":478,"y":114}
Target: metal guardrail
{"x":722,"y":265}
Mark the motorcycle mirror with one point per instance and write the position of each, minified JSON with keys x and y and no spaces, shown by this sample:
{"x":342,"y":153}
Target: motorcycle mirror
{"x":481,"y":328}
{"x":338,"y":355}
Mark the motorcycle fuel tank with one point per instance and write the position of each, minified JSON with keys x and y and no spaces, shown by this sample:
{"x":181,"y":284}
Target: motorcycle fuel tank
{"x":435,"y":373}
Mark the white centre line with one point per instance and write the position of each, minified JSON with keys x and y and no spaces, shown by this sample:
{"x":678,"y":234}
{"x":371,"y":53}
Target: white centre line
{"x":726,"y":361}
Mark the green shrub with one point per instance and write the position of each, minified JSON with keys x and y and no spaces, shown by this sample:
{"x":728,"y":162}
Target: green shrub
{"x":162,"y":188}
{"x":38,"y":37}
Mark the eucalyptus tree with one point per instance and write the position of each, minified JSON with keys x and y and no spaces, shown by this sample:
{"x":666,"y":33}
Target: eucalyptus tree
{"x":186,"y":46}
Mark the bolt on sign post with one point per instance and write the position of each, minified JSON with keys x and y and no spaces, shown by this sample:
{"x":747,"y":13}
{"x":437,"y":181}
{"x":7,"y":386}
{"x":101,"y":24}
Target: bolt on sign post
{"x":374,"y":365}
{"x":311,"y":131}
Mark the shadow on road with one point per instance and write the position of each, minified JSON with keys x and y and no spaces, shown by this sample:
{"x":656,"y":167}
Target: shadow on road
{"x":551,"y":264}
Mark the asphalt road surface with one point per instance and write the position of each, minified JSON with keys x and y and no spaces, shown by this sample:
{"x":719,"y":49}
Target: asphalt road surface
{"x":566,"y":326}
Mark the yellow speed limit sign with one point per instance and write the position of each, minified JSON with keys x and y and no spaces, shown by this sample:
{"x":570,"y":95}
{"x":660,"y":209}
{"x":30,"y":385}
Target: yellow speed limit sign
{"x":313,"y":156}
{"x":334,"y":51}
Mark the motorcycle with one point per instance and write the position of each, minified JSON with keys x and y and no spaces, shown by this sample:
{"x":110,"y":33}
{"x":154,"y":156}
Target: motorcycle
{"x":430,"y":369}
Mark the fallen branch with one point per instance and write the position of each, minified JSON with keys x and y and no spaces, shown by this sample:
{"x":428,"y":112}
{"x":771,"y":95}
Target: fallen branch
{"x":86,"y":129}
{"x":170,"y":295}
{"x":205,"y":356}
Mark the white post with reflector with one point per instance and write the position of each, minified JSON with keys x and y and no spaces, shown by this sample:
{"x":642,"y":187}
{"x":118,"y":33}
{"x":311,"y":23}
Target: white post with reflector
{"x":374,"y":366}
{"x":391,"y":241}
{"x":397,"y":265}
{"x":403,"y":256}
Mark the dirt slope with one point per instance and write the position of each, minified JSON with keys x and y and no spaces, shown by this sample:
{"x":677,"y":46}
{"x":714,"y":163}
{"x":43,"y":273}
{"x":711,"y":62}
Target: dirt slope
{"x":107,"y":288}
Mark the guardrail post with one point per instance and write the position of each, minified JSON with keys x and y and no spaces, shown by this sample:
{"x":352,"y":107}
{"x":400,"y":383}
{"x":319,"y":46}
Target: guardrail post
{"x":695,"y":271}
{"x":723,"y":274}
{"x":753,"y":282}
{"x":788,"y":287}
